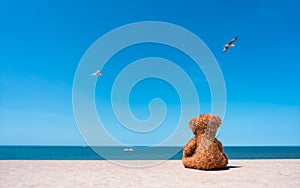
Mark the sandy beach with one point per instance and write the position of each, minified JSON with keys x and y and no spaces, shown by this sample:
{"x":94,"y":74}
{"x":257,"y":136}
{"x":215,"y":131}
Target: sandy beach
{"x":59,"y":173}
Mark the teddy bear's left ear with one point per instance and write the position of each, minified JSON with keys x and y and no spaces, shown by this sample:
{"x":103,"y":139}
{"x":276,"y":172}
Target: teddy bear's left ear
{"x":193,"y":124}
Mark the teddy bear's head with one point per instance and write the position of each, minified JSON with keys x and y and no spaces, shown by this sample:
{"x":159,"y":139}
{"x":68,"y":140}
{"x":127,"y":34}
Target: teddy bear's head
{"x":205,"y":123}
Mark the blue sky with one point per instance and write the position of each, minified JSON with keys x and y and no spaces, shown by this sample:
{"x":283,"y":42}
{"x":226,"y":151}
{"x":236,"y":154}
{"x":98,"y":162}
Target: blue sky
{"x":42,"y":43}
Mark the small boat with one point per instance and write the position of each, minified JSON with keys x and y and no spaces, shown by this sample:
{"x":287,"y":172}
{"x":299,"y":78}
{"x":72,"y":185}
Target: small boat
{"x":128,"y":149}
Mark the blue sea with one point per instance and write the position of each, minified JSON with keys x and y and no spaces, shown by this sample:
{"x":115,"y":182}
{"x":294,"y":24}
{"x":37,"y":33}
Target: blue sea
{"x":138,"y":153}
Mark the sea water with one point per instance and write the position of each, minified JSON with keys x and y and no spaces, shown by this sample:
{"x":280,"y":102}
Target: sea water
{"x":137,"y":153}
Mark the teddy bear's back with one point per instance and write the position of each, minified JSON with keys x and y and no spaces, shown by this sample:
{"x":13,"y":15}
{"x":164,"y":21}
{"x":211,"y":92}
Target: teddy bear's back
{"x":211,"y":155}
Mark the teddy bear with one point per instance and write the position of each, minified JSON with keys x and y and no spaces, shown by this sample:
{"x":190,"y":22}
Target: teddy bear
{"x":204,"y":151}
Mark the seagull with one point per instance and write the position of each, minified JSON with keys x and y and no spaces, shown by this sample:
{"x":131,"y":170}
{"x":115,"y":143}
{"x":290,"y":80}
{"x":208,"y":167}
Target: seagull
{"x":97,"y":73}
{"x":229,"y":44}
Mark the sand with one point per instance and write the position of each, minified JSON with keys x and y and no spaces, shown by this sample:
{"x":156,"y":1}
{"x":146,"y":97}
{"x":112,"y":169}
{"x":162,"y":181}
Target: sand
{"x":55,"y":173}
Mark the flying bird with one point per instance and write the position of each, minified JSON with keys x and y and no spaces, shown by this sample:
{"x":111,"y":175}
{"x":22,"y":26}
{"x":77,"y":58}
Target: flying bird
{"x":229,"y":44}
{"x":97,"y":73}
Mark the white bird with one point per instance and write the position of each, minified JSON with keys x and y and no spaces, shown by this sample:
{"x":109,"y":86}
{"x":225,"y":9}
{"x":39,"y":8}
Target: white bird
{"x":97,"y":73}
{"x":229,"y":44}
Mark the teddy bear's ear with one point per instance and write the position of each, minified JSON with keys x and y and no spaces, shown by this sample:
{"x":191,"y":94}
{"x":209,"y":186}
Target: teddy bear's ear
{"x":215,"y":120}
{"x":193,"y":124}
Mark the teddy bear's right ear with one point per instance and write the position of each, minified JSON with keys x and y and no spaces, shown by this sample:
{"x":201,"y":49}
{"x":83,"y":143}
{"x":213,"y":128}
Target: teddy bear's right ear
{"x":215,"y":120}
{"x":218,"y":119}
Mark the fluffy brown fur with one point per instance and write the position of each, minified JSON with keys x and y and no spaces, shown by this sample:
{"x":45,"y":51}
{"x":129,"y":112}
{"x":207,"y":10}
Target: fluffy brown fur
{"x":204,"y":151}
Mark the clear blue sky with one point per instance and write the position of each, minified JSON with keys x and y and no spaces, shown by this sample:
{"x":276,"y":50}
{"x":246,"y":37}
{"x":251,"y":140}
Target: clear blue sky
{"x":42,"y":43}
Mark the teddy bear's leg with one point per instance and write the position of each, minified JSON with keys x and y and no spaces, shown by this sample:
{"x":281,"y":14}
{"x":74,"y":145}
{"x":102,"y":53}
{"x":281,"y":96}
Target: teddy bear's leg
{"x":198,"y":162}
{"x":205,"y":161}
{"x":195,"y":162}
{"x":189,"y":162}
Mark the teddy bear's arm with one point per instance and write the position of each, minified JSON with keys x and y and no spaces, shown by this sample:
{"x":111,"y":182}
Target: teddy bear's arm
{"x":222,"y":151}
{"x":220,"y":147}
{"x":190,"y":148}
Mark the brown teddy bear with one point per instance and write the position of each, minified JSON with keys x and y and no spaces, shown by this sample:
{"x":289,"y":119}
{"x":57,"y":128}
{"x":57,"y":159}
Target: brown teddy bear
{"x":204,"y":151}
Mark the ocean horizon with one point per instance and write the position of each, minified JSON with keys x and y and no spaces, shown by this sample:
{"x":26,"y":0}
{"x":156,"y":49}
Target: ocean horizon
{"x":138,"y":152}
